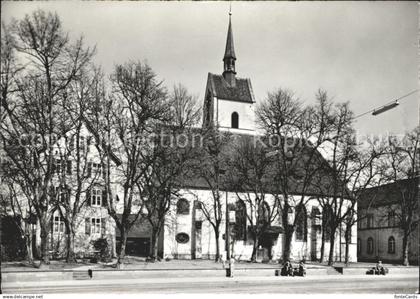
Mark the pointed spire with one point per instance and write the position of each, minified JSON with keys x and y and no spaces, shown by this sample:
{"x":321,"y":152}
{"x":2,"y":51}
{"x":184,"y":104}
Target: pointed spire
{"x":230,"y":57}
{"x":229,"y":51}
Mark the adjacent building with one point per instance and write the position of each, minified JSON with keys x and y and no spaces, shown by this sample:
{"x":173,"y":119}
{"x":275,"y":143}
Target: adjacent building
{"x":379,"y":231}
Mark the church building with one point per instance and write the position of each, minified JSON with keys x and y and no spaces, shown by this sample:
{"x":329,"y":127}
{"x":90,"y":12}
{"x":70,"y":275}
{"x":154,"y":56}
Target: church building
{"x":229,"y":105}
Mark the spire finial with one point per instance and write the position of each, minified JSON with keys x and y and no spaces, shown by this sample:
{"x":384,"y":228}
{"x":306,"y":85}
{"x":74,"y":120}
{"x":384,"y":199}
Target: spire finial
{"x":230,"y":9}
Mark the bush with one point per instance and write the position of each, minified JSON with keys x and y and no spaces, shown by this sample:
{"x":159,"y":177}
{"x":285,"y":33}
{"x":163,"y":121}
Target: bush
{"x":102,"y":246}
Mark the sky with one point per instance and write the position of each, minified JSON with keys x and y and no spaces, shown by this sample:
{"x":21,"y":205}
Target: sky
{"x":362,"y":52}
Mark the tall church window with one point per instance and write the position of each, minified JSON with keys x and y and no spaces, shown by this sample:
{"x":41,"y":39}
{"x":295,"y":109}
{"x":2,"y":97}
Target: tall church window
{"x":235,"y":120}
{"x":264,"y":214}
{"x":391,"y":245}
{"x":240,"y":221}
{"x":183,"y":207}
{"x":370,"y":245}
{"x":301,"y":223}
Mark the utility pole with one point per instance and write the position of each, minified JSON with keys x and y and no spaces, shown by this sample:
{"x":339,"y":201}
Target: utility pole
{"x":227,"y":239}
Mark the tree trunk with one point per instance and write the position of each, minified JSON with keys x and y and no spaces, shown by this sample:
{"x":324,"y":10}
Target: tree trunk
{"x":28,"y":243}
{"x":405,"y":260}
{"x":254,"y":249}
{"x":288,"y":234}
{"x":29,"y":252}
{"x":217,"y":235}
{"x":45,"y":254}
{"x":70,"y":258}
{"x":123,"y":243}
{"x":322,"y":250}
{"x":348,"y":240}
{"x":155,"y":243}
{"x":331,"y":254}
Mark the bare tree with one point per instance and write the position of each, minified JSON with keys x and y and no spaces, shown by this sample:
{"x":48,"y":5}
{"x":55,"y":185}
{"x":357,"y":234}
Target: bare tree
{"x":401,"y":169}
{"x":363,"y":172}
{"x":77,"y":175}
{"x":171,"y":162}
{"x":250,"y":176}
{"x":52,"y":63}
{"x":299,"y":133}
{"x":213,"y":156}
{"x":138,"y":103}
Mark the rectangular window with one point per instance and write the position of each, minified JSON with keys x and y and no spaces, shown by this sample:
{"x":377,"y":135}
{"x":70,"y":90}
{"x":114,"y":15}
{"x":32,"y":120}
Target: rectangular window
{"x":96,"y":198}
{"x":68,"y":166}
{"x":97,"y":169}
{"x":58,"y":225}
{"x":88,"y":142}
{"x":95,"y":227}
{"x":57,"y":166}
{"x":71,"y":143}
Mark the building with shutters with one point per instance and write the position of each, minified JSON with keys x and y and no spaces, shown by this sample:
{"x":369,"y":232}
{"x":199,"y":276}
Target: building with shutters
{"x":92,"y":221}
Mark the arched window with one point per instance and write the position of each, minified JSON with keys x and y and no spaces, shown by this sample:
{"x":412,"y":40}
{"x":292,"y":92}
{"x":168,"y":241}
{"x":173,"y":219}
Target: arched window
{"x":240,"y":221}
{"x":391,"y":245}
{"x":183,"y":207}
{"x":301,"y":223}
{"x":235,"y":120}
{"x":264,"y":214}
{"x":369,"y":245}
{"x":359,"y":246}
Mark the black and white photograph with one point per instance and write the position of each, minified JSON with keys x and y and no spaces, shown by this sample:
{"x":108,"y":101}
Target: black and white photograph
{"x":222,"y":148}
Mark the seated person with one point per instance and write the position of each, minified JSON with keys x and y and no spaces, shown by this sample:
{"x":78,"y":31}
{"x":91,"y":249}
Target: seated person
{"x":301,"y":269}
{"x":287,"y":269}
{"x":379,"y":269}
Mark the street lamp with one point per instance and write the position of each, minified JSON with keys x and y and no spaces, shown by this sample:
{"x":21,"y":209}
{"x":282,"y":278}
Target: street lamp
{"x":385,"y":108}
{"x":227,"y":239}
{"x":229,"y":272}
{"x":229,"y":269}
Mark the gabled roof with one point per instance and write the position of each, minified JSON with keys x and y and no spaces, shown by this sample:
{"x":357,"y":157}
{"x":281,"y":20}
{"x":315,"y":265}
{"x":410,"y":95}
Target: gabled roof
{"x":240,"y":92}
{"x":321,"y":183}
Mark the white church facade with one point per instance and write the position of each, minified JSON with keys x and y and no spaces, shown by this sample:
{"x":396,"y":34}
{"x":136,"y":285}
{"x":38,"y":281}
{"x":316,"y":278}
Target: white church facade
{"x":229,"y":105}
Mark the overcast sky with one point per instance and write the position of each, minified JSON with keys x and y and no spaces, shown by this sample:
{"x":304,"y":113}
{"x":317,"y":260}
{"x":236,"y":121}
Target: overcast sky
{"x":362,"y":52}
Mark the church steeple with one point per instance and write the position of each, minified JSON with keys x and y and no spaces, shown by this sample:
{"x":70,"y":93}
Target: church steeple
{"x":230,"y":57}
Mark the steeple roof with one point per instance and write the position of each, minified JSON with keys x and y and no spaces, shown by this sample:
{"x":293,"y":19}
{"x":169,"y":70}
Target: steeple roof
{"x":241,"y":91}
{"x":229,"y":51}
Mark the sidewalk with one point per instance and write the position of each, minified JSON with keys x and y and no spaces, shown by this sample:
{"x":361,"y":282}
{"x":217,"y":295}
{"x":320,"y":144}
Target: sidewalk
{"x":175,"y":280}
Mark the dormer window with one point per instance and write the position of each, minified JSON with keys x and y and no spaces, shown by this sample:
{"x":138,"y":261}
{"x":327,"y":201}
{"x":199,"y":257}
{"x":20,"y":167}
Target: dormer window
{"x":235,"y":120}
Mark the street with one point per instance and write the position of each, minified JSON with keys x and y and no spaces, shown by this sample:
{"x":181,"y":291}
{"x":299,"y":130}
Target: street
{"x":326,"y":284}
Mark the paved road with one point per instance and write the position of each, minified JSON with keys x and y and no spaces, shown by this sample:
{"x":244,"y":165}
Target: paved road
{"x":342,"y":284}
